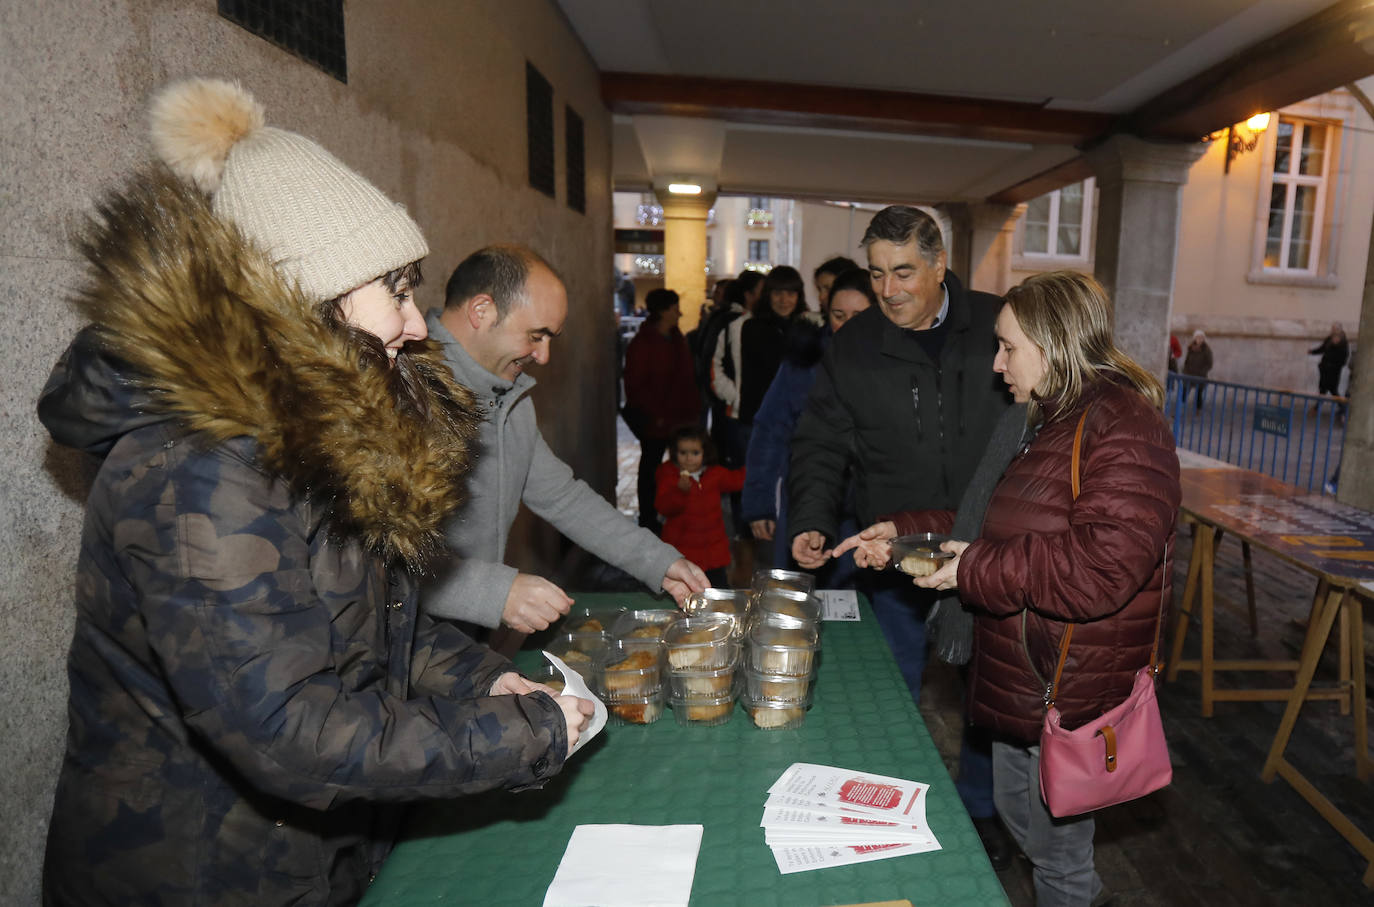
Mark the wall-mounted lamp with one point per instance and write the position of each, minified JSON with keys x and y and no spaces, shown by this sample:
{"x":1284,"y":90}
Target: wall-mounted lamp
{"x":1237,"y":142}
{"x":684,"y":189}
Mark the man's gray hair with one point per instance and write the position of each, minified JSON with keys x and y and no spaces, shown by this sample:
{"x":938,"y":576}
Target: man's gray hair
{"x":496,"y":271}
{"x":900,"y":224}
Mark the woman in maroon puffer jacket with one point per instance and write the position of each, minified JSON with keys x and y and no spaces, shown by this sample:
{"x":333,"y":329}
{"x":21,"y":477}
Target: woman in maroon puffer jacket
{"x":1045,"y":559}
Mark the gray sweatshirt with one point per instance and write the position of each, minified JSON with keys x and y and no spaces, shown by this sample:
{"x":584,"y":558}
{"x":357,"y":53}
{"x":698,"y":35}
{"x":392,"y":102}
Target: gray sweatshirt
{"x":513,"y":464}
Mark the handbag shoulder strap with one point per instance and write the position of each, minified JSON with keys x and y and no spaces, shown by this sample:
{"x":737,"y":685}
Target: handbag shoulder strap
{"x":1074,"y":465}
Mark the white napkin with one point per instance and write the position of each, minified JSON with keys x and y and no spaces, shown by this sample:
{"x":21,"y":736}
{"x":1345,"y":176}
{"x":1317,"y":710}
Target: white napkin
{"x":574,"y":685}
{"x":627,"y":866}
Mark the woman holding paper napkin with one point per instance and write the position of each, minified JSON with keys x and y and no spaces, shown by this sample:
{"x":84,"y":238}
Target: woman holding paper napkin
{"x":254,"y":694}
{"x":1045,"y":559}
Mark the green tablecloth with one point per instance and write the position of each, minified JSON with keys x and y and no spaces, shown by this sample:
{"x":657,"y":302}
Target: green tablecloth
{"x":504,"y":848}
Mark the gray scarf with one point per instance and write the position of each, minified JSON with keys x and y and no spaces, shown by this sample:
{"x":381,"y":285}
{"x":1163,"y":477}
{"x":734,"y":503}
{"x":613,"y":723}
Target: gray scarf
{"x":949,"y":624}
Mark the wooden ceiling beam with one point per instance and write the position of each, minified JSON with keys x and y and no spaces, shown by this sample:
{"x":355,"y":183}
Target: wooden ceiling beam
{"x":1322,"y":52}
{"x":830,"y":107}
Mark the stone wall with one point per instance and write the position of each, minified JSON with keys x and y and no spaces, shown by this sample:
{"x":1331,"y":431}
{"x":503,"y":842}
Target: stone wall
{"x":433,"y":113}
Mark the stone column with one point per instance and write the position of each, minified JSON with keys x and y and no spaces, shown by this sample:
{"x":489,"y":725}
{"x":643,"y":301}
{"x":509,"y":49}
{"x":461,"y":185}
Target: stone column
{"x":981,"y":243}
{"x":1139,"y":186}
{"x":684,"y":250}
{"x":1357,"y":456}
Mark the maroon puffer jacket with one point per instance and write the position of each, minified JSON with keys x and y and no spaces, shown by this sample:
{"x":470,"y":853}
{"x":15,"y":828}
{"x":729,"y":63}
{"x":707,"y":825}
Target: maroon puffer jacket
{"x":1044,"y":559}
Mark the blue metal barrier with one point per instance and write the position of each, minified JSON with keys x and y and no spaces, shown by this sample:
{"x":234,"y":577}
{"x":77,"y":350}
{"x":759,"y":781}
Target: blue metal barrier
{"x":1296,"y":438}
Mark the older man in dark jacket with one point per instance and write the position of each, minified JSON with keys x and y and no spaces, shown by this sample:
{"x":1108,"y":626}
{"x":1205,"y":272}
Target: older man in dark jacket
{"x":906,"y":396}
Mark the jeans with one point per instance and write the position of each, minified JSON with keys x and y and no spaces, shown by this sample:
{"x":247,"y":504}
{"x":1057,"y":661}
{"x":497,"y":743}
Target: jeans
{"x":1061,"y":850}
{"x":900,"y":609}
{"x":975,"y":779}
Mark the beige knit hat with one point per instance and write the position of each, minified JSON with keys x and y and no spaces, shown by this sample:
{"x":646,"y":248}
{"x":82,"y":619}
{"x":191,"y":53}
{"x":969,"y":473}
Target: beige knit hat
{"x":324,"y":225}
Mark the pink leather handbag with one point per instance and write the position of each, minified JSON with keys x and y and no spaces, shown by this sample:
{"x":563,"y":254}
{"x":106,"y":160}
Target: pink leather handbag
{"x":1120,"y":755}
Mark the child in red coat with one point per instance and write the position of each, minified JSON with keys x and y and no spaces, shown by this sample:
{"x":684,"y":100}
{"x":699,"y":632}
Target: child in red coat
{"x":688,"y":497}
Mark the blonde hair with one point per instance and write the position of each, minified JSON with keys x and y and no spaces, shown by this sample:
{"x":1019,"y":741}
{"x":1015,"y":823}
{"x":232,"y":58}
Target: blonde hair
{"x":1068,"y":316}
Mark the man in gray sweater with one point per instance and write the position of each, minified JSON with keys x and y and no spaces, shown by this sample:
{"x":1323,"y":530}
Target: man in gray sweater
{"x":503,"y":307}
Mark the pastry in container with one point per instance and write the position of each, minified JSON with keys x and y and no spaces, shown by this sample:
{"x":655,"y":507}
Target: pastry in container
{"x":707,"y":682}
{"x":778,"y":687}
{"x":793,"y":580}
{"x":703,"y":711}
{"x":635,"y":709}
{"x":732,"y":602}
{"x":646,"y":624}
{"x":789,"y":603}
{"x":589,"y":619}
{"x":579,"y":651}
{"x":630,"y":668}
{"x":780,"y":645}
{"x":919,"y":554}
{"x":774,"y":715}
{"x":701,"y":642}
{"x":548,"y":675}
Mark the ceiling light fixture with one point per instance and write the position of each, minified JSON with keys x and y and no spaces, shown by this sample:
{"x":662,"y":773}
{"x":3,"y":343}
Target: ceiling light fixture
{"x":684,"y":189}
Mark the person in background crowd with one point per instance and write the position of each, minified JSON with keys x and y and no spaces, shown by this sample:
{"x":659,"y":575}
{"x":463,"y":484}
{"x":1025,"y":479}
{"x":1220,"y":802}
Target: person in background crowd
{"x":722,"y":377}
{"x":722,"y":369}
{"x":690,"y":485}
{"x":503,"y":307}
{"x":660,"y":391}
{"x":764,"y":500}
{"x":715,"y":304}
{"x":253,"y":691}
{"x":1335,"y":352}
{"x":1045,"y":559}
{"x":824,"y":277}
{"x":1197,"y":364}
{"x":1175,"y":351}
{"x":904,"y":401}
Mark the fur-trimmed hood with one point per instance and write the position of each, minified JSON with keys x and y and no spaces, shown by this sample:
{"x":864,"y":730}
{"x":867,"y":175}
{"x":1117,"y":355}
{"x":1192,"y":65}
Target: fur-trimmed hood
{"x":193,"y":324}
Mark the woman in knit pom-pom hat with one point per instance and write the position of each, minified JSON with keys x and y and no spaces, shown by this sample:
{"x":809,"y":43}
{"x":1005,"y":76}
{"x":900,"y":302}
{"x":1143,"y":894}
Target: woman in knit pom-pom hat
{"x":253,"y":691}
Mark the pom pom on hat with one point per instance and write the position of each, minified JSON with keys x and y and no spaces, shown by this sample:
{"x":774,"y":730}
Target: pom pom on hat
{"x":194,"y":124}
{"x":324,"y":226}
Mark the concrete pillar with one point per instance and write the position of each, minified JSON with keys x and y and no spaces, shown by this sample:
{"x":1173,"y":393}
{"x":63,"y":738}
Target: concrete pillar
{"x":1357,"y":457}
{"x":684,"y":251}
{"x":1139,"y":186}
{"x":981,"y":243}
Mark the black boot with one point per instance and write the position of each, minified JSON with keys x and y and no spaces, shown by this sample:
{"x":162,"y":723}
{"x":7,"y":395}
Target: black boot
{"x":998,"y":844}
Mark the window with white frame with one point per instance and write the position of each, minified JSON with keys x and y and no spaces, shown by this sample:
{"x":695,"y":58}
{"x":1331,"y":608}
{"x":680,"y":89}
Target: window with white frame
{"x":1058,"y":223}
{"x":1297,"y":194}
{"x":758,"y":250}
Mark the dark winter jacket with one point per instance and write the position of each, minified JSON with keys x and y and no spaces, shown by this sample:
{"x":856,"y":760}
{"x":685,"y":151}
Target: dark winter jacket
{"x":660,"y":385}
{"x":1334,"y":354}
{"x":1198,"y":361}
{"x":913,"y":429}
{"x":253,"y":692}
{"x":776,"y":419}
{"x":693,"y":522}
{"x":1045,"y":559}
{"x":763,"y":341}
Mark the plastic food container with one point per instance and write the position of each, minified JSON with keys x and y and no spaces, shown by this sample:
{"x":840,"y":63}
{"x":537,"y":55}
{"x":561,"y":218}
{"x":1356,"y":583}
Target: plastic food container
{"x":711,"y":682}
{"x":636,"y":709}
{"x":793,"y":580}
{"x":760,"y":685}
{"x":699,"y":643}
{"x":783,"y":646}
{"x":628,"y":670}
{"x":587,"y":619}
{"x":798,"y":606}
{"x":770,"y":715}
{"x":579,"y":651}
{"x":548,"y":675}
{"x":733,"y":602}
{"x":647,"y":624}
{"x":703,"y":711}
{"x":920,"y":554}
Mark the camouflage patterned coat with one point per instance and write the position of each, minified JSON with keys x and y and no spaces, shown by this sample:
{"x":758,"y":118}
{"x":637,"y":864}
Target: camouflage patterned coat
{"x":253,"y":691}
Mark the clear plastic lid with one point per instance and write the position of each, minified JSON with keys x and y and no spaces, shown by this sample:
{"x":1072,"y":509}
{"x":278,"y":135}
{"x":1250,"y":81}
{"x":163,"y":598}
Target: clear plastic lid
{"x":647,"y":624}
{"x":589,"y":619}
{"x":783,"y":579}
{"x":802,"y":606}
{"x":919,"y":554}
{"x":717,"y":601}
